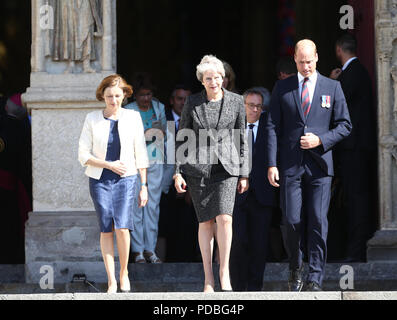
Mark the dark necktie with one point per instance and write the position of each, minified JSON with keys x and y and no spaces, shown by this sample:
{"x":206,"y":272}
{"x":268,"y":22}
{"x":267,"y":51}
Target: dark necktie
{"x":251,"y":132}
{"x":177,"y":125}
{"x":305,"y":98}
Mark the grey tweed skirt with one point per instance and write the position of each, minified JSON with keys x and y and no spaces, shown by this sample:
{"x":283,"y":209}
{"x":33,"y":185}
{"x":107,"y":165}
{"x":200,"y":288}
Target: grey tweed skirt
{"x":213,"y":196}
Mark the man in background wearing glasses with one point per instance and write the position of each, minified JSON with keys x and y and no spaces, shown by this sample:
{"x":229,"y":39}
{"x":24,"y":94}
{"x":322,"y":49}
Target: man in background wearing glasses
{"x":253,"y":209}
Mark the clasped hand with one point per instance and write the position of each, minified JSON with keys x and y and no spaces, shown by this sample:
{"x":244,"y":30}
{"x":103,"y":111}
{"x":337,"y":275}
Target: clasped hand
{"x":310,"y":141}
{"x":117,"y":167}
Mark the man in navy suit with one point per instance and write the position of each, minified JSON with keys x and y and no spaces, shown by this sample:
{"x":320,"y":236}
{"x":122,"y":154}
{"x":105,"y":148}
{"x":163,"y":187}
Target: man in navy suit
{"x":308,"y":117}
{"x":253,"y":209}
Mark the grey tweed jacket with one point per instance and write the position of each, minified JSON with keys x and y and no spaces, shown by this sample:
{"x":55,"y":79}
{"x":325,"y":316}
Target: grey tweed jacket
{"x":228,"y":141}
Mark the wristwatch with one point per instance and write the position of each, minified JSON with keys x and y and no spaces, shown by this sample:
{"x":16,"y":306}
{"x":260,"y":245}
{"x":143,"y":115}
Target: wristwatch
{"x":144,"y":184}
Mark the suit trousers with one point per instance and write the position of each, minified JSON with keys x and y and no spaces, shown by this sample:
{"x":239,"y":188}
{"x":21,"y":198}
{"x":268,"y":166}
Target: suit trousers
{"x":357,"y":171}
{"x":304,"y":200}
{"x":146,"y":219}
{"x":251,"y":225}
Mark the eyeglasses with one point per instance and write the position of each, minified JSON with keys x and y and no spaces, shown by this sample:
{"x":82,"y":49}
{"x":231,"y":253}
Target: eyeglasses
{"x":252,"y":106}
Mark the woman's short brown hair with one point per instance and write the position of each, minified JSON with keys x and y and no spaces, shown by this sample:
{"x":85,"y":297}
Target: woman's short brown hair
{"x":111,"y":81}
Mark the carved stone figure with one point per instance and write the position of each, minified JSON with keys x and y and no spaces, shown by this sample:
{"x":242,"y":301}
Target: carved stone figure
{"x":76,"y":23}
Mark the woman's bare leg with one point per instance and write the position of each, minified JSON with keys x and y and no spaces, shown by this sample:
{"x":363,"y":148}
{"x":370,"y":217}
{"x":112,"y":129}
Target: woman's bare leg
{"x":123,"y":247}
{"x":206,"y":242}
{"x":224,"y":240}
{"x":107,"y":249}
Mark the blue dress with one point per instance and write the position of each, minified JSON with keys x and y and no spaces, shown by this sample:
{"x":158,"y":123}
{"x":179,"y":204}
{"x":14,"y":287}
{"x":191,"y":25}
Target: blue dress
{"x":114,"y":197}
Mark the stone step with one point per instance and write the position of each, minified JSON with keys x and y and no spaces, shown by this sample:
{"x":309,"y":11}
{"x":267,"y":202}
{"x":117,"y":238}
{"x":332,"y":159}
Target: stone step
{"x":188,"y":277}
{"x":236,"y":297}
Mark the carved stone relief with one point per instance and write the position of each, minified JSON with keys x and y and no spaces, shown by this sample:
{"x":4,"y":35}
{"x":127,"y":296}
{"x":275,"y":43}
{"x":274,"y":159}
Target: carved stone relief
{"x":77,"y":25}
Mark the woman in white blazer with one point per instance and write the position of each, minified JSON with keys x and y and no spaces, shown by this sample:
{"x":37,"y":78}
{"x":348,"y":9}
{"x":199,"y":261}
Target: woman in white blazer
{"x":112,"y":148}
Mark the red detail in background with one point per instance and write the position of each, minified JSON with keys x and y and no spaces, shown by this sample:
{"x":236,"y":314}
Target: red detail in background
{"x":286,"y":26}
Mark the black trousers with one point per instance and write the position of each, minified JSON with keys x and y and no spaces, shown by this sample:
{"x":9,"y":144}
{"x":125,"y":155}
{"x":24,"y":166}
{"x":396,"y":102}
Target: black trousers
{"x":178,"y":224}
{"x":357,"y":172}
{"x":251,"y":230}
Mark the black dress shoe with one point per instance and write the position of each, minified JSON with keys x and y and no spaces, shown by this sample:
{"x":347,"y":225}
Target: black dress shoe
{"x":295,"y":282}
{"x":313,"y":286}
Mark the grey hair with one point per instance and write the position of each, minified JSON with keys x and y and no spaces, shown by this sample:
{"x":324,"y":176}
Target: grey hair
{"x":209,"y":62}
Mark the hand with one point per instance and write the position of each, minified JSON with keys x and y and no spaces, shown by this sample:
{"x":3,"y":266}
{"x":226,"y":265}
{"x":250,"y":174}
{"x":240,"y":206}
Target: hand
{"x":117,"y":167}
{"x":310,"y":141}
{"x":180,"y":183}
{"x":273,"y":176}
{"x":143,"y":197}
{"x":242,"y":185}
{"x":335,"y":73}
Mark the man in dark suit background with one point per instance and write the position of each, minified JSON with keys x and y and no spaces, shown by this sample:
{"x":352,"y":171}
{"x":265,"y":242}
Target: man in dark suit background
{"x":178,"y":222}
{"x":308,"y":117}
{"x":253,"y":209}
{"x":355,"y":157}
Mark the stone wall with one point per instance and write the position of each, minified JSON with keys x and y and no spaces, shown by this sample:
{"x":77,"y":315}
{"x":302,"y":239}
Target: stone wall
{"x":384,"y":244}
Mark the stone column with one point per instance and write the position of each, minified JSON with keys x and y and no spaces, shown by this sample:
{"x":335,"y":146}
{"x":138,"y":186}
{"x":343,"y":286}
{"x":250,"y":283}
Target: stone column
{"x":62,"y":231}
{"x":383,"y":246}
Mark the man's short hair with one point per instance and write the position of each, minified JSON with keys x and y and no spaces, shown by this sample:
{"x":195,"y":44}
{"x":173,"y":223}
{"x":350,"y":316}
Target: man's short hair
{"x":180,"y":87}
{"x":252,"y":91}
{"x":347,"y":43}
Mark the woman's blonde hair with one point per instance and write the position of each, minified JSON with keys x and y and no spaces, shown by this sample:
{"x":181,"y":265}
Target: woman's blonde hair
{"x":209,"y":62}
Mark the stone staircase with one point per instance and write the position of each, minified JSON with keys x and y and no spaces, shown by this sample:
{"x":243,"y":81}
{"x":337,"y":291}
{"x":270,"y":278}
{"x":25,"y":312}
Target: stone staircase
{"x":188,"y":277}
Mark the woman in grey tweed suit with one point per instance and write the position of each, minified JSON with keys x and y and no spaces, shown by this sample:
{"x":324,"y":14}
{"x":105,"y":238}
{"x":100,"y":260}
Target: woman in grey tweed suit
{"x":213,"y":174}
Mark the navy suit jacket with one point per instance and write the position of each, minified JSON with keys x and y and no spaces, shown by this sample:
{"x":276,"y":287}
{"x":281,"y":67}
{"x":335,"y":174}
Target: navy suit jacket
{"x":286,"y":124}
{"x":259,"y":185}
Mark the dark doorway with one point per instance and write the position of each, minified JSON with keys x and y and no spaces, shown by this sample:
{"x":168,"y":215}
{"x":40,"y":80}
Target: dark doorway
{"x":168,"y":38}
{"x":15,"y":45}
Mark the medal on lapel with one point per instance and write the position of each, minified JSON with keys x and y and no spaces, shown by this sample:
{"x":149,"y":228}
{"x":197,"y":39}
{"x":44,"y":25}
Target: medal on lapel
{"x":326,"y":101}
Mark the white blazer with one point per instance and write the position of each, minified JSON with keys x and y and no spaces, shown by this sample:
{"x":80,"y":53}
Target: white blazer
{"x":94,"y":141}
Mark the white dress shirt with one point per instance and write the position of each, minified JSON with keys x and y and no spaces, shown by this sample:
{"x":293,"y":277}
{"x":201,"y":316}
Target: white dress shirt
{"x":347,"y":63}
{"x":311,"y":84}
